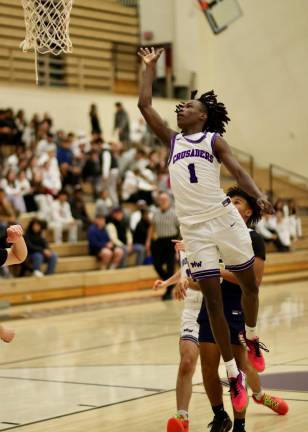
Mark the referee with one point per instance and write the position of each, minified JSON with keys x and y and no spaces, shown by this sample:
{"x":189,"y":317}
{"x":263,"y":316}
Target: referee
{"x":163,"y":230}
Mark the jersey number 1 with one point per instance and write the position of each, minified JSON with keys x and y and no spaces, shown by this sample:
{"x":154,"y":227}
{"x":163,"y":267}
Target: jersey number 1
{"x":192,"y":173}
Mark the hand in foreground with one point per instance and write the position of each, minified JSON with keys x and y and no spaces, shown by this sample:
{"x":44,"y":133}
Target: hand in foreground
{"x":181,"y":288}
{"x":179,"y":246}
{"x":159,"y":284}
{"x":150,"y":56}
{"x":14,"y":233}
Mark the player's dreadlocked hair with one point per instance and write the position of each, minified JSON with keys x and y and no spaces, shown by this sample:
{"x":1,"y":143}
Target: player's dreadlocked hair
{"x":216,"y":111}
{"x":252,"y":202}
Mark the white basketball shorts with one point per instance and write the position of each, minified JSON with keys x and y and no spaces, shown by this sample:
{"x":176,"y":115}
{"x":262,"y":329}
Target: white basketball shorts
{"x":189,"y":326}
{"x":226,"y":237}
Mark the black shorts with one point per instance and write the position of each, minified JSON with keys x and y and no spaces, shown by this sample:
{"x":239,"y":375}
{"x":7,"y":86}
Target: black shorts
{"x":236,"y":324}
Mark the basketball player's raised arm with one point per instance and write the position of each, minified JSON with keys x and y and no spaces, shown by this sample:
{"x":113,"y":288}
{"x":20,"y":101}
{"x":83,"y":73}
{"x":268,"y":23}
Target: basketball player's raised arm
{"x":225,"y":155}
{"x":17,"y":253}
{"x":153,"y":119}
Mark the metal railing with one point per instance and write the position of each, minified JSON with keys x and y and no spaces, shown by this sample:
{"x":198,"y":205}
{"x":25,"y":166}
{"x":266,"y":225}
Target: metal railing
{"x":280,"y":174}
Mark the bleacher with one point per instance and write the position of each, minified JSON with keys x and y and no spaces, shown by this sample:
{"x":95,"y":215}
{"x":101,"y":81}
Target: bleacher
{"x":105,"y":36}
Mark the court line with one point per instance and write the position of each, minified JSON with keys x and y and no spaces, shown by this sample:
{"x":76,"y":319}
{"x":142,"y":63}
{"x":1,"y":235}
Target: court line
{"x":87,"y":410}
{"x":89,"y":348}
{"x":287,"y":399}
{"x":89,"y":366}
{"x":80,"y":383}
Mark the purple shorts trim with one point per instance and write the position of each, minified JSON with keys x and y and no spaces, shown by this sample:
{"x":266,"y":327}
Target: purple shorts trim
{"x":241,"y":267}
{"x":190,"y":338}
{"x":205,"y":274}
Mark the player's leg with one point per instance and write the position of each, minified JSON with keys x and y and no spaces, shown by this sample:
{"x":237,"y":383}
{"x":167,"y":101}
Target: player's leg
{"x":210,"y":357}
{"x":203,"y":261}
{"x":276,"y":404}
{"x":234,"y":243}
{"x":189,"y":353}
{"x":240,"y":357}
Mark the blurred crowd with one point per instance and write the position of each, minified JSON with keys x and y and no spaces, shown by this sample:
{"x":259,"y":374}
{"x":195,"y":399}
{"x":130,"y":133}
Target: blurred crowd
{"x":283,"y":227}
{"x":52,"y":175}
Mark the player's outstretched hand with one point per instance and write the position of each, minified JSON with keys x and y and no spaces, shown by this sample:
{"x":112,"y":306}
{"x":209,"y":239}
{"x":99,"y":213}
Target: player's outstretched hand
{"x":159,"y":284}
{"x":150,"y":56}
{"x":265,"y":205}
{"x":14,"y":233}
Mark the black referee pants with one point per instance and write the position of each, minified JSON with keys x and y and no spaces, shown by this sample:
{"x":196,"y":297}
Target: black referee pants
{"x":163,"y":255}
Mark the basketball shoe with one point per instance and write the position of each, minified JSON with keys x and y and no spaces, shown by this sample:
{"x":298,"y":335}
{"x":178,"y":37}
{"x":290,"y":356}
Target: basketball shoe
{"x":238,"y":392}
{"x":253,"y":348}
{"x":276,"y":404}
{"x":220,"y":423}
{"x":177,"y":424}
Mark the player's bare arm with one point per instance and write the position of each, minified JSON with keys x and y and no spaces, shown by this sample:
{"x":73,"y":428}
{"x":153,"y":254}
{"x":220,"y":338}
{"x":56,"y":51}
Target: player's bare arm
{"x":17,"y":253}
{"x":153,"y":119}
{"x":243,"y":179}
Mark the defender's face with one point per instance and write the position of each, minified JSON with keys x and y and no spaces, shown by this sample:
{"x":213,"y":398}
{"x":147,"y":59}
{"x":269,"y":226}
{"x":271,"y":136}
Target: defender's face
{"x":190,"y":113}
{"x":242,"y":206}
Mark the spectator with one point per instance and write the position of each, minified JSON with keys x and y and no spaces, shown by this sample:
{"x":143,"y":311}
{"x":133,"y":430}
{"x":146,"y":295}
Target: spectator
{"x":26,"y":190}
{"x":13,"y":192}
{"x":44,"y":144}
{"x":121,"y":236}
{"x":294,"y":221}
{"x":94,"y":119}
{"x":62,"y":219}
{"x":92,"y":172}
{"x":135,"y":217}
{"x":100,"y":245}
{"x":110,"y":173}
{"x":103,"y":204}
{"x":138,"y":131}
{"x":78,"y":208}
{"x":121,"y":123}
{"x":283,"y":232}
{"x":166,"y":228}
{"x":51,"y":176}
{"x":141,"y":232}
{"x":70,"y":171}
{"x":39,"y":251}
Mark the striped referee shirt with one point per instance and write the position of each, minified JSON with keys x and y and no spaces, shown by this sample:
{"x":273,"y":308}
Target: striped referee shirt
{"x":165,"y":223}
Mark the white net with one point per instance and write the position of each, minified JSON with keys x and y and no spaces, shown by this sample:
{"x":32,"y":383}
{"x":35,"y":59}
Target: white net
{"x":47,"y":26}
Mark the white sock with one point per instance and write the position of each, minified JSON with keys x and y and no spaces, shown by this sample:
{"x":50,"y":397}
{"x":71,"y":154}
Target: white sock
{"x":259,"y":395}
{"x":232,"y":369}
{"x":113,"y":266}
{"x":250,"y":332}
{"x":182,"y":413}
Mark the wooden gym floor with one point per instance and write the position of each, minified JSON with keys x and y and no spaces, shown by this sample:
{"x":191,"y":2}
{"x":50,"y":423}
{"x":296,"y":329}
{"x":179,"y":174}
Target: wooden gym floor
{"x":93,"y":364}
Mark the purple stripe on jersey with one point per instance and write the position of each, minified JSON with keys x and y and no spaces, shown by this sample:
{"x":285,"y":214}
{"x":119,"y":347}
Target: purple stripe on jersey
{"x":171,"y":148}
{"x":195,"y":141}
{"x":213,"y":142}
{"x":241,"y":267}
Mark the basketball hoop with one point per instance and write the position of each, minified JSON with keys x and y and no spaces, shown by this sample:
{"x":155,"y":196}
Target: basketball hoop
{"x":47,"y":27}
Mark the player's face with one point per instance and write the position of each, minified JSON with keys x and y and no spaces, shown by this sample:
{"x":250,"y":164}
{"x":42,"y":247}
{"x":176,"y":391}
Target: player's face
{"x":190,"y":113}
{"x":242,"y":206}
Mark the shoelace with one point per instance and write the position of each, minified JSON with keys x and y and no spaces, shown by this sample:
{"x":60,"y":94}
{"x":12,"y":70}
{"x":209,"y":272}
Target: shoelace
{"x":269,"y":401}
{"x":259,"y":346}
{"x":234,"y":387}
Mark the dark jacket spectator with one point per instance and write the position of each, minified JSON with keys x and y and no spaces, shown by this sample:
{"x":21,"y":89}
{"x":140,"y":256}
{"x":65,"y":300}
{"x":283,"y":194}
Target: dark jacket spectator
{"x":95,"y":123}
{"x":39,"y":251}
{"x":121,"y":122}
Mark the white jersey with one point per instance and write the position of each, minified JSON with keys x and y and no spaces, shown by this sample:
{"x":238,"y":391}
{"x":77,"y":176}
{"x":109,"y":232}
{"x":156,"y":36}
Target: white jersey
{"x":195,"y":178}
